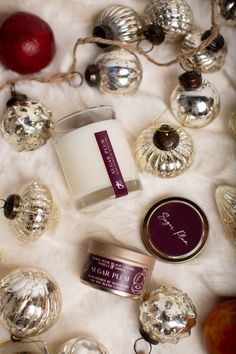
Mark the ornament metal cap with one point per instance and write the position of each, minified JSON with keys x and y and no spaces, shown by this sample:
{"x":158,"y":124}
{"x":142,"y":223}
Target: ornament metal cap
{"x":146,"y":337}
{"x":190,"y":80}
{"x":104,"y":32}
{"x":166,"y":138}
{"x":11,"y":206}
{"x":154,"y":33}
{"x":217,"y":43}
{"x":18,"y":97}
{"x":92,"y":75}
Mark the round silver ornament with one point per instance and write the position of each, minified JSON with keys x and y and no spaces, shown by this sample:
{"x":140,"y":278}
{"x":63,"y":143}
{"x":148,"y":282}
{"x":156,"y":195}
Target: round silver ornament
{"x":81,"y":345}
{"x":119,"y":22}
{"x":26,"y":124}
{"x":30,"y":302}
{"x":116,"y":71}
{"x":167,"y":316}
{"x":210,"y":59}
{"x":174,"y":16}
{"x":232,"y":124}
{"x":31,"y":211}
{"x":226,"y":203}
{"x":164,"y":151}
{"x":227,"y":9}
{"x":194,"y":102}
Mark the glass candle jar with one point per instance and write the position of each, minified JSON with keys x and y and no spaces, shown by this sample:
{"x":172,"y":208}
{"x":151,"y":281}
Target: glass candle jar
{"x":95,"y":157}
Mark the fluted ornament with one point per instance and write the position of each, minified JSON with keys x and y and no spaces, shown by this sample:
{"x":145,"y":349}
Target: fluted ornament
{"x":232,"y":124}
{"x":32,"y":211}
{"x":116,"y":71}
{"x":195,"y":102}
{"x":226,"y":203}
{"x":81,"y":345}
{"x":30,"y":302}
{"x":174,"y":16}
{"x":164,"y":151}
{"x":210,"y":59}
{"x":119,"y":22}
{"x":26,"y":124}
{"x":167,"y":316}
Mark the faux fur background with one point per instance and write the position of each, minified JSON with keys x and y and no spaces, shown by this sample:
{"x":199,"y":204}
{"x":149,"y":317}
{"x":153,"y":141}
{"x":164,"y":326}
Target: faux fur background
{"x":209,"y":278}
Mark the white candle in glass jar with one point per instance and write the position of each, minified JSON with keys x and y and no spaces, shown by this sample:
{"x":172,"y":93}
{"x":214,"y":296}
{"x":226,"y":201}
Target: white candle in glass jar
{"x":89,"y":162}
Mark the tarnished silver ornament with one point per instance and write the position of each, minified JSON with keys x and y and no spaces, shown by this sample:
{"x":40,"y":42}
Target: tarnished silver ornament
{"x":30,"y":302}
{"x":194,"y":102}
{"x":116,"y":71}
{"x":119,"y":22}
{"x":174,"y":16}
{"x":31,"y":212}
{"x":26,"y":124}
{"x":226,"y":203}
{"x":81,"y":345}
{"x":210,"y":59}
{"x":164,"y":151}
{"x":232,"y":124}
{"x":167,"y":316}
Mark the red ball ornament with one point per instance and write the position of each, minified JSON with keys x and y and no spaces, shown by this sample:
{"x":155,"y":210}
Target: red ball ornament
{"x":26,"y":43}
{"x":220,"y":329}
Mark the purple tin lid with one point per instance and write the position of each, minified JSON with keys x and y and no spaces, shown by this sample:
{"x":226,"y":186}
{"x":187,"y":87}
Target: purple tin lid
{"x":175,"y":229}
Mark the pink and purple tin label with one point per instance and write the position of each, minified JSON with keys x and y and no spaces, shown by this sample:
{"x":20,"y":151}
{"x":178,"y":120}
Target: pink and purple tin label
{"x":110,"y":274}
{"x":111,"y":164}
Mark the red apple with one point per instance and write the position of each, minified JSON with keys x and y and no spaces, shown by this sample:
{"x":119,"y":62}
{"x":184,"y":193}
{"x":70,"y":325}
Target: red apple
{"x":220,"y":329}
{"x":26,"y":43}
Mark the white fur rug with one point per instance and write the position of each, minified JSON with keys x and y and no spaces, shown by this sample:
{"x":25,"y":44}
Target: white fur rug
{"x":209,"y":278}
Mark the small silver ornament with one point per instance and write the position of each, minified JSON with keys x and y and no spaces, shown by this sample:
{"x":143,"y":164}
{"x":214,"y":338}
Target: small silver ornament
{"x":232,"y":124}
{"x":167,"y":316}
{"x":226,"y":203}
{"x":210,"y":59}
{"x":32,"y":211}
{"x":164,"y":151}
{"x":227,"y":9}
{"x":119,"y":22}
{"x":30,"y":302}
{"x":194,"y":102}
{"x":26,"y":124}
{"x":174,"y":16}
{"x":81,"y":345}
{"x":116,"y":71}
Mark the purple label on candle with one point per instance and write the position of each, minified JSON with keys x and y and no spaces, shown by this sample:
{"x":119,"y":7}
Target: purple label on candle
{"x":114,"y":275}
{"x":111,"y":164}
{"x":175,"y":228}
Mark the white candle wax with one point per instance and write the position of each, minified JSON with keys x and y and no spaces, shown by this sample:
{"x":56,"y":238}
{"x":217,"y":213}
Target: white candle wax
{"x":83,"y":164}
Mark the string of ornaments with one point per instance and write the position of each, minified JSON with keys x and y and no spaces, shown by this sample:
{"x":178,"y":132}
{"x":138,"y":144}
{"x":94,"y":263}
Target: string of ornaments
{"x":167,"y":314}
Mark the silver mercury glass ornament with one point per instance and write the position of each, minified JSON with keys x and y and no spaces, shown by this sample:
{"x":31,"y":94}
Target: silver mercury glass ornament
{"x":167,"y":316}
{"x":26,"y":124}
{"x":116,"y":71}
{"x":164,"y":151}
{"x":30,"y":302}
{"x":31,"y":212}
{"x":226,"y":203}
{"x":227,"y":9}
{"x":194,"y":102}
{"x":173,"y":16}
{"x":81,"y":345}
{"x":210,"y":59}
{"x":232,"y":124}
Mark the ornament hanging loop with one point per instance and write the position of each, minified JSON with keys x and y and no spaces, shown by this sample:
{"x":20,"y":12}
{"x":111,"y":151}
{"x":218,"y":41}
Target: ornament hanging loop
{"x":137,"y":351}
{"x":148,"y":50}
{"x":76,"y":79}
{"x":3,"y":205}
{"x":187,"y":68}
{"x":13,"y":89}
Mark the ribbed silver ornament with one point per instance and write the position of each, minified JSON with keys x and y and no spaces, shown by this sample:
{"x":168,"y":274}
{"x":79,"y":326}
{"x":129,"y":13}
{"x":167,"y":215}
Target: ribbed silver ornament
{"x":84,"y":345}
{"x":120,"y":71}
{"x":232,"y":124}
{"x":30,"y":302}
{"x":124,"y":23}
{"x":205,"y":61}
{"x":174,"y":16}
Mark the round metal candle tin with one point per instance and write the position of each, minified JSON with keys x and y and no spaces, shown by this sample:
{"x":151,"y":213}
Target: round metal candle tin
{"x":117,"y":270}
{"x":175,"y":229}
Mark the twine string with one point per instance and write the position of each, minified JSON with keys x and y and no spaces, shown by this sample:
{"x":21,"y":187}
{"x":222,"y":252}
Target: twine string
{"x":181,"y":58}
